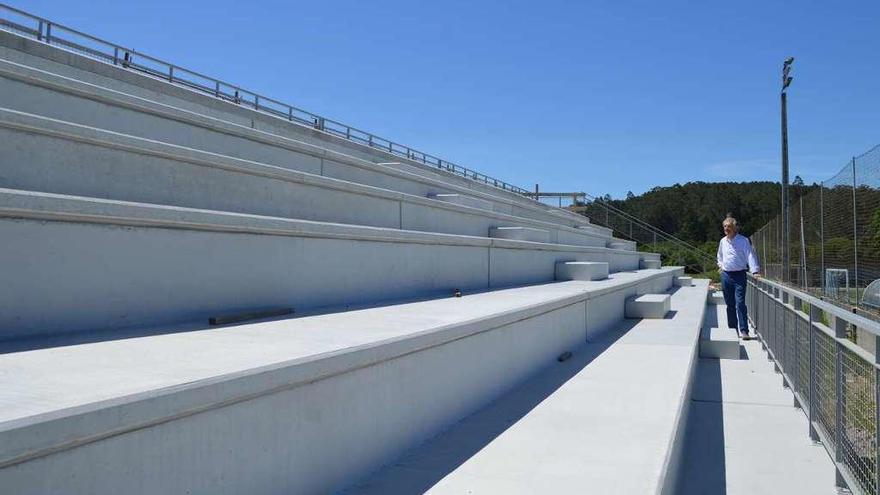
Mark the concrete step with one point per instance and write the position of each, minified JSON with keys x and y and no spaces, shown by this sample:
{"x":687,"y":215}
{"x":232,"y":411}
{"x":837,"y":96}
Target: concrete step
{"x":311,"y":403}
{"x":461,"y":199}
{"x":648,"y":263}
{"x":67,"y":158}
{"x":684,"y":281}
{"x":624,"y":245}
{"x":715,"y":297}
{"x":161,"y":264}
{"x":719,"y":343}
{"x":581,"y":270}
{"x":648,"y":306}
{"x":597,"y":229}
{"x":520,"y":234}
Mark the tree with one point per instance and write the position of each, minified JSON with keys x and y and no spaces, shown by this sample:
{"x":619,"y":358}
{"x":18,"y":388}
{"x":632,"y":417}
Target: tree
{"x":630,"y":195}
{"x":797,"y":181}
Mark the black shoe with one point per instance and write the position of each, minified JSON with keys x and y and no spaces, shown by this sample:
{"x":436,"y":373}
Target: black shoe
{"x":745,"y":336}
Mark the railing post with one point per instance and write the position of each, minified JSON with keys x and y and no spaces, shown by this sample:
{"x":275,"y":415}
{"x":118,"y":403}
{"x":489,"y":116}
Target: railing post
{"x":256,"y":102}
{"x":811,"y":410}
{"x":170,"y":73}
{"x":855,"y":234}
{"x":40,"y":31}
{"x":839,"y":333}
{"x":796,"y":368}
{"x":786,"y":365}
{"x":822,"y":235}
{"x":877,"y":414}
{"x":115,"y":55}
{"x":217,"y":89}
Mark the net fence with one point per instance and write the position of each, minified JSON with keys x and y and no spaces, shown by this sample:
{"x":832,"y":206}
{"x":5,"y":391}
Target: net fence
{"x":834,"y":237}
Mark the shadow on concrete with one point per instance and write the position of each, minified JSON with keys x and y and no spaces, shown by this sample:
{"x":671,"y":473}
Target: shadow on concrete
{"x":702,"y":469}
{"x":703,"y":459}
{"x":422,"y":467}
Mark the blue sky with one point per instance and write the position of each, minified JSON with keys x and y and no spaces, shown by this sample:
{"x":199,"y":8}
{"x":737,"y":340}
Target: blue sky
{"x":602,"y":97}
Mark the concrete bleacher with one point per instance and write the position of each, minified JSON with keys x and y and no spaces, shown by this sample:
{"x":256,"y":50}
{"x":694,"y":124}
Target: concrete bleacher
{"x":609,"y":420}
{"x":134,"y":211}
{"x":312,"y":404}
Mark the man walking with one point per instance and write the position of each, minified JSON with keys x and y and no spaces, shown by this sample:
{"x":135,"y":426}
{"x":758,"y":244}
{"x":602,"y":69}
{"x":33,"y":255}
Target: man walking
{"x":735,"y":257}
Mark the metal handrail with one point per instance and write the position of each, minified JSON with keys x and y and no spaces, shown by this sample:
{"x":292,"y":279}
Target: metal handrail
{"x":834,"y":381}
{"x":51,"y":32}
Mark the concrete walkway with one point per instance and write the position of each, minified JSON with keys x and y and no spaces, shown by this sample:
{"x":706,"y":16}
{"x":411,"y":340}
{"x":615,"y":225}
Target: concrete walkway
{"x":744,"y":436}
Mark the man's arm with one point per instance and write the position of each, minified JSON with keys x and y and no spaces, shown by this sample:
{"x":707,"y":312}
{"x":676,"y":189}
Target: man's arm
{"x":719,"y":258}
{"x":753,"y":260}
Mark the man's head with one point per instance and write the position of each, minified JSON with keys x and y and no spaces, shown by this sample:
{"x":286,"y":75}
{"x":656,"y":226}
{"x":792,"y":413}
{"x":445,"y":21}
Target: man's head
{"x":730,"y":226}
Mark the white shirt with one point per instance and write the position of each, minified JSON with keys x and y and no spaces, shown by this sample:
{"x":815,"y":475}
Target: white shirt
{"x":737,"y":255}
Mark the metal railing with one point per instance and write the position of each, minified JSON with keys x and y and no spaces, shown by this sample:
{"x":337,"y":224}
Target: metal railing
{"x":834,"y":381}
{"x":50,"y":32}
{"x":834,"y":232}
{"x":673,"y":251}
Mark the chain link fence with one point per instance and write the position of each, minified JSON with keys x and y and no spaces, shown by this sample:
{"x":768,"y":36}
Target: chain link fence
{"x":834,"y":238}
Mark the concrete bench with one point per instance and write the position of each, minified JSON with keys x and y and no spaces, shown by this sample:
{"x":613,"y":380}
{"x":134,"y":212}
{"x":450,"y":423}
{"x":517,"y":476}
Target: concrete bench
{"x":581,"y":270}
{"x":608,"y":420}
{"x":303,"y":405}
{"x":648,"y":306}
{"x":289,"y":263}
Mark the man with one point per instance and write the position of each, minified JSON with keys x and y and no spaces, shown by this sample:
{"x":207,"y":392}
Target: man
{"x":735,"y":257}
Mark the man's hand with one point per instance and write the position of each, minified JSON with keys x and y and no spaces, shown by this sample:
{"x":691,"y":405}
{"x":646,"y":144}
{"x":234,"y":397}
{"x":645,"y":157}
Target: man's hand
{"x":757,"y":275}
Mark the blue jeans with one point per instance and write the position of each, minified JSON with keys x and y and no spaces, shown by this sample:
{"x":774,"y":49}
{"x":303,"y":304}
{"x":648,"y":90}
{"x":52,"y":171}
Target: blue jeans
{"x":733,"y":284}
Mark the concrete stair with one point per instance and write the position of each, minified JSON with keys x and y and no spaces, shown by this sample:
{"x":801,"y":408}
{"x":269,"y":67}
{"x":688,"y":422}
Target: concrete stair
{"x":715,"y":297}
{"x":719,"y":343}
{"x":651,"y":264}
{"x":648,"y":306}
{"x":683,"y":281}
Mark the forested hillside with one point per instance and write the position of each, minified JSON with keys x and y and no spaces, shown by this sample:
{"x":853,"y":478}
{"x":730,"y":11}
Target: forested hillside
{"x":694,"y":211}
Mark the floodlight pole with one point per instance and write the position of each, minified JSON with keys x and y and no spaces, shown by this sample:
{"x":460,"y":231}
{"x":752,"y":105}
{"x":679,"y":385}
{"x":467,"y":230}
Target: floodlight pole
{"x":786,"y":80}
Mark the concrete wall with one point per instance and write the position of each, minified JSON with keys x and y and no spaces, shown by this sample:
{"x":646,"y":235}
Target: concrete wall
{"x":342,"y":417}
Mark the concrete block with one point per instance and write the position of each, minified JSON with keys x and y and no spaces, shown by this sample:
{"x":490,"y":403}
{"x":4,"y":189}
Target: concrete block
{"x":520,"y":234}
{"x":461,"y":199}
{"x":653,"y":264}
{"x":648,"y":306}
{"x":684,"y":281}
{"x":719,"y":343}
{"x":716,"y":297}
{"x":581,"y":270}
